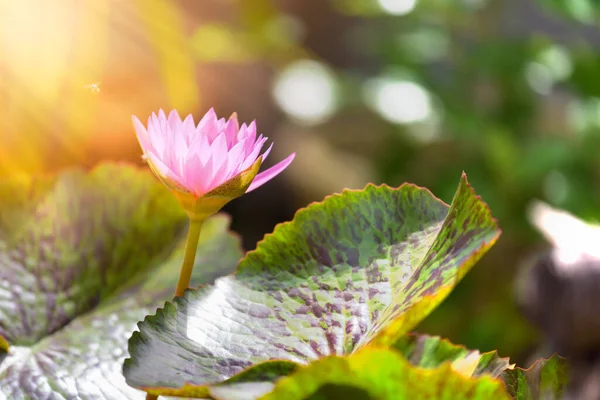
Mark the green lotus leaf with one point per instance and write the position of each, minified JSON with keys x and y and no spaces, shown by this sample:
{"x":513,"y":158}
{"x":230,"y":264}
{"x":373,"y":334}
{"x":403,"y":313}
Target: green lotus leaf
{"x":432,"y":351}
{"x":83,"y":258}
{"x":545,"y":379}
{"x":363,"y":267}
{"x":421,"y":351}
{"x":379,"y":374}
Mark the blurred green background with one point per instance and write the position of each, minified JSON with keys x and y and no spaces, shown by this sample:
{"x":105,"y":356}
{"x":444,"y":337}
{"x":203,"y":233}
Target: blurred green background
{"x":363,"y":90}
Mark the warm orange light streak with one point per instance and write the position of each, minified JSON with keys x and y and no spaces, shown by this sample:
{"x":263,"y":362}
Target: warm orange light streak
{"x":50,"y":54}
{"x":164,"y":23}
{"x":88,"y":59}
{"x":32,"y":51}
{"x":48,"y":51}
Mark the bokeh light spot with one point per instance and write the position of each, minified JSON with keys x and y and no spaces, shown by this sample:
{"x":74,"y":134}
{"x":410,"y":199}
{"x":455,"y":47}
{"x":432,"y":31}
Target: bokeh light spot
{"x":584,"y":115}
{"x":539,"y":77}
{"x":305,"y":90}
{"x":400,"y":102}
{"x":558,"y":61}
{"x":397,"y":7}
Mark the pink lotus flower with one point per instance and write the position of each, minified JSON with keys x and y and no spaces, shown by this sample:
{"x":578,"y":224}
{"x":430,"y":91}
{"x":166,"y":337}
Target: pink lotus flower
{"x":199,"y":159}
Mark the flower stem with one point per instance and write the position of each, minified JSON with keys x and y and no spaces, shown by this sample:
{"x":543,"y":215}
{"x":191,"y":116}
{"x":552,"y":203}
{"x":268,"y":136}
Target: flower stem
{"x":187,"y":267}
{"x":190,"y":255}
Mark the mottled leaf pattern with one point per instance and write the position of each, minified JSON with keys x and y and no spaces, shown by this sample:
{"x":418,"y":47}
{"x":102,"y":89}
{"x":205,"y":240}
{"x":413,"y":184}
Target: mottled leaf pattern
{"x":361,"y":267}
{"x":66,"y":244}
{"x":432,"y":351}
{"x":546,"y":379}
{"x":380,"y":374}
{"x":82,"y":261}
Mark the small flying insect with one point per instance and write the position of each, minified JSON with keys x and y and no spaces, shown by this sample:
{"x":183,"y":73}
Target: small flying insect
{"x":94,"y":87}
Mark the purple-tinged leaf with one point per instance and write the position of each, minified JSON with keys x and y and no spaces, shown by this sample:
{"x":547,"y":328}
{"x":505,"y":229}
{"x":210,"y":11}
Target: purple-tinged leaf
{"x":84,"y":257}
{"x":363,"y":267}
